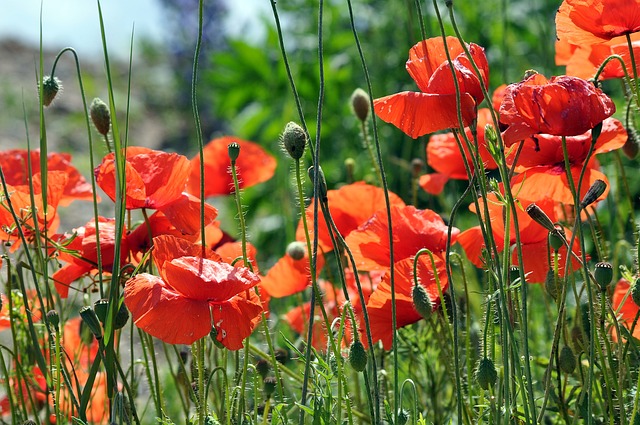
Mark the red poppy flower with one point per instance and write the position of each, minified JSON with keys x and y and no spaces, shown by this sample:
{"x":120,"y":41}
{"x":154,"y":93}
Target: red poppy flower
{"x":435,"y":108}
{"x":584,"y":60}
{"x":627,"y":311}
{"x":156,"y":180}
{"x":29,"y":214}
{"x":561,"y":106}
{"x":586,"y":22}
{"x":253,"y":166}
{"x":368,"y":198}
{"x":541,"y":163}
{"x":445,"y":158}
{"x":85,"y":258}
{"x":533,"y":239}
{"x":289,"y":276}
{"x":206,"y":291}
{"x":413,"y":230}
{"x":379,"y":305}
{"x":18,"y":303}
{"x":16,"y":172}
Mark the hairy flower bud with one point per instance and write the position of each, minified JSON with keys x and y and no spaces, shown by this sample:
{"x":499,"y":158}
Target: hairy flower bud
{"x":567,"y":360}
{"x":597,"y":188}
{"x":358,"y":356}
{"x":421,"y":301}
{"x":100,"y":116}
{"x":360,"y":103}
{"x":296,"y":250}
{"x":50,"y":88}
{"x":603,"y":273}
{"x":486,"y":373}
{"x":294,"y":140}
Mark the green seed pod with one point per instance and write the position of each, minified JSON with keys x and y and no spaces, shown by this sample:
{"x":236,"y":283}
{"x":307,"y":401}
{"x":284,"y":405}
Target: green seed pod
{"x":403,"y":417}
{"x":360,"y":103}
{"x":358,"y":356}
{"x":486,"y":373}
{"x":296,"y":250}
{"x":91,"y":320}
{"x":635,"y":291}
{"x":417,"y":165}
{"x":567,"y":360}
{"x":603,"y":273}
{"x":101,"y":307}
{"x":551,"y":284}
{"x":233,"y":150}
{"x":122,"y":317}
{"x":50,"y":88}
{"x":595,"y":191}
{"x":421,"y":301}
{"x":100,"y":116}
{"x":54,"y":319}
{"x":294,"y":140}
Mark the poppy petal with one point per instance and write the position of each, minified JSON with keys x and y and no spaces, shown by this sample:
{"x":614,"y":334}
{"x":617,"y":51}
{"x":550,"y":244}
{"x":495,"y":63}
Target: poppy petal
{"x":184,"y":214}
{"x":236,"y":319}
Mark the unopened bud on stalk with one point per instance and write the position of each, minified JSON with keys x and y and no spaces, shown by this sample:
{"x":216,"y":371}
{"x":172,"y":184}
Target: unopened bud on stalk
{"x":421,"y":301}
{"x":358,"y":356}
{"x":233,"y":149}
{"x":631,"y":148}
{"x":567,"y":360}
{"x":54,"y":319}
{"x":91,"y":320}
{"x":551,"y":284}
{"x":263,"y":367}
{"x":360,"y":102}
{"x":486,"y":373}
{"x":557,"y":238}
{"x":296,"y":250}
{"x":603,"y":273}
{"x":294,"y":140}
{"x":350,"y":168}
{"x":101,"y":307}
{"x":540,"y":217}
{"x":403,"y":417}
{"x":635,"y":291}
{"x":597,"y":188}
{"x":50,"y":88}
{"x":122,"y":317}
{"x":322,"y":182}
{"x":417,"y":165}
{"x":100,"y":116}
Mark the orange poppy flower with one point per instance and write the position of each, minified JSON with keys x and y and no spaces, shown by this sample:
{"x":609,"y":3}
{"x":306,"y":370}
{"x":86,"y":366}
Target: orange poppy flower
{"x":289,"y":276}
{"x":445,"y":158}
{"x":379,"y":305}
{"x":16,"y":172}
{"x":413,"y":229}
{"x":626,"y":312}
{"x":156,"y":180}
{"x":368,"y":198}
{"x":254,"y":165}
{"x":561,"y":106}
{"x":201,"y":287}
{"x":586,"y":22}
{"x":533,"y":239}
{"x":85,"y":260}
{"x":584,"y":60}
{"x":34,"y":309}
{"x":435,"y":108}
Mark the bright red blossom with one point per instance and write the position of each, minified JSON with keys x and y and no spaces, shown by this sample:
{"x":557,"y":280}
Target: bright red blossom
{"x":561,"y":106}
{"x":198,"y":284}
{"x":435,"y":108}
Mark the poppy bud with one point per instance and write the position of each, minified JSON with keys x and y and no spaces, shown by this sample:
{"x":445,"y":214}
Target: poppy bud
{"x":631,"y":147}
{"x":294,"y":140}
{"x":567,"y":360}
{"x":635,"y":291}
{"x":597,"y":188}
{"x":296,"y":250}
{"x":556,"y":238}
{"x":416,"y":167}
{"x":350,"y":166}
{"x":514,"y":273}
{"x":595,"y":132}
{"x":486,"y":373}
{"x":269,"y":385}
{"x":50,"y":88}
{"x":282,"y":355}
{"x":322,"y":182}
{"x":233,"y":150}
{"x":360,"y":103}
{"x":54,"y":319}
{"x":603,"y":274}
{"x":490,"y":134}
{"x":100,"y":116}
{"x":551,"y":284}
{"x":577,"y":337}
{"x":263,"y":368}
{"x":403,"y":417}
{"x":540,"y":217}
{"x":421,"y":301}
{"x":122,"y":317}
{"x":101,"y":307}
{"x":91,"y":320}
{"x":358,"y":356}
